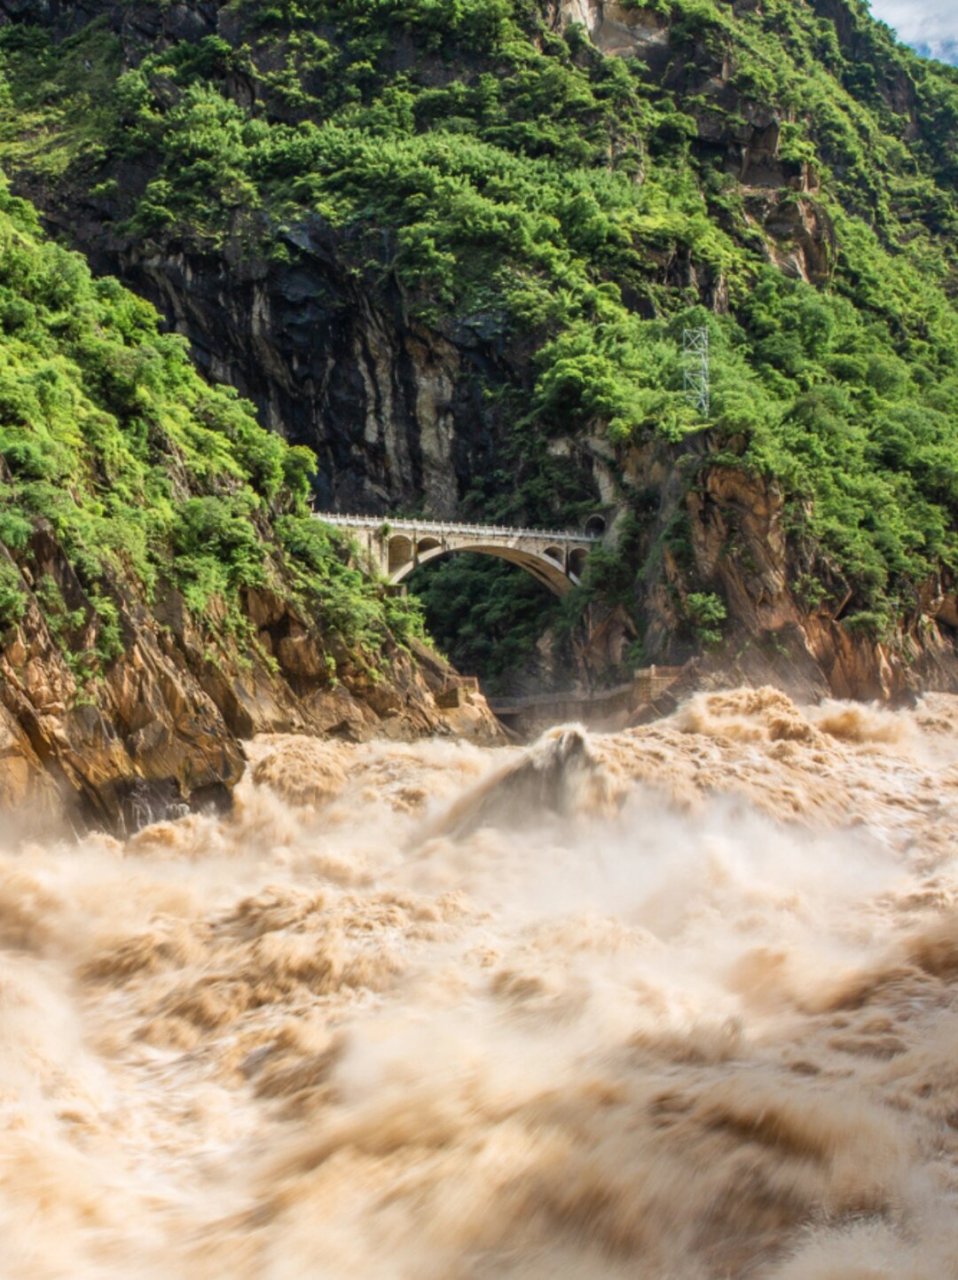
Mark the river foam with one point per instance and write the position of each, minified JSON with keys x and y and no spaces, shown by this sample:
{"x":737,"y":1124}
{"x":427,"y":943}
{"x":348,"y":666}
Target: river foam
{"x":678,"y":1002}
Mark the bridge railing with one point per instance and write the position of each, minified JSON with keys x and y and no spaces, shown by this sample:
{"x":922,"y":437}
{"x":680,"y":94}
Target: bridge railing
{"x":426,"y":527}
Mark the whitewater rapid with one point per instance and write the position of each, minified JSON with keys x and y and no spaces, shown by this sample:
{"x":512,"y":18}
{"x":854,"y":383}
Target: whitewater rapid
{"x":679,"y":1003}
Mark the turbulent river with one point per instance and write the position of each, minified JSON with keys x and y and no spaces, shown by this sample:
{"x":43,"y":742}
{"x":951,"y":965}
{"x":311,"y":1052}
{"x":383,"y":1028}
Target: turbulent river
{"x":679,"y":1003}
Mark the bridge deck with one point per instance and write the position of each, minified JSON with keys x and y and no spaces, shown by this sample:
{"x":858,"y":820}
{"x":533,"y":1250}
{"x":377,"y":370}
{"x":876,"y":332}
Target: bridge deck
{"x":451,"y":529}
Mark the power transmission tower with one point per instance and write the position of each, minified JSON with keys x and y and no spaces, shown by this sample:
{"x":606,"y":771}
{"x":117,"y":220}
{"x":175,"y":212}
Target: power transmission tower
{"x":698,"y":386}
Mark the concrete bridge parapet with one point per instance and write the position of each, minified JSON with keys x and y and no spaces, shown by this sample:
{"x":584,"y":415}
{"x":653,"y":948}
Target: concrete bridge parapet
{"x":555,"y":558}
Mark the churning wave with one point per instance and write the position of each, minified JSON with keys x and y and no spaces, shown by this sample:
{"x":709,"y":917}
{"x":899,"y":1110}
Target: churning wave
{"x":677,"y":1003}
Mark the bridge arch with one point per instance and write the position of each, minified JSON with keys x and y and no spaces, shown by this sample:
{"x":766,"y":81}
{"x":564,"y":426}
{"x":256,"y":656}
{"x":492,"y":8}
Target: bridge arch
{"x":577,"y":559}
{"x":395,"y":548}
{"x":543,"y":568}
{"x":399,"y":552}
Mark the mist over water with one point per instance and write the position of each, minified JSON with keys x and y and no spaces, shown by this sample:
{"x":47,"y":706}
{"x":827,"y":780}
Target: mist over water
{"x":677,"y":1003}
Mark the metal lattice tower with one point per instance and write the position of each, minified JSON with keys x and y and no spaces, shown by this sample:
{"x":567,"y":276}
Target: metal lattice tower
{"x":698,"y":386}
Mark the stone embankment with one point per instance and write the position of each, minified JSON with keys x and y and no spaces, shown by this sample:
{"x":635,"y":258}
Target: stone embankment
{"x":610,"y":708}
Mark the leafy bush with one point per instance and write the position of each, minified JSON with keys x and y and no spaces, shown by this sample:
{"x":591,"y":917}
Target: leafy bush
{"x":13,"y":598}
{"x":705,"y":613}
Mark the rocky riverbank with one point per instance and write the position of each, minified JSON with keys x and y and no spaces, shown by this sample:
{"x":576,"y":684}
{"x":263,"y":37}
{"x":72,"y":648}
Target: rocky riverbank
{"x":165,"y":729}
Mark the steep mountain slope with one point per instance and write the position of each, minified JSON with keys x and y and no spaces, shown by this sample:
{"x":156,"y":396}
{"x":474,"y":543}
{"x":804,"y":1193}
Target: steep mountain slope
{"x":163,"y":589}
{"x":454,"y":245}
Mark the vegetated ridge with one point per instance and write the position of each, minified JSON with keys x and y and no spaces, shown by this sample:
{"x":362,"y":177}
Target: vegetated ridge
{"x":453,"y":245}
{"x":164,"y":590}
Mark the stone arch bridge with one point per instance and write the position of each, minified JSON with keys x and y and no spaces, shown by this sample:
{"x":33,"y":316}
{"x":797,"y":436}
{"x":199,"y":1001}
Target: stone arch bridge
{"x":397,"y":547}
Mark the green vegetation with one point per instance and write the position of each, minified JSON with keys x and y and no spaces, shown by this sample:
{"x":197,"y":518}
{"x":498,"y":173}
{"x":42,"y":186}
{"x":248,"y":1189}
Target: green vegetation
{"x":800,"y":179}
{"x":13,"y":599}
{"x":146,"y":477}
{"x":706,"y":613}
{"x":487,"y":615}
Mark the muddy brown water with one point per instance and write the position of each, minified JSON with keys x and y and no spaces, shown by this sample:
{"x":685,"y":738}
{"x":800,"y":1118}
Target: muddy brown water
{"x":679,"y":1003}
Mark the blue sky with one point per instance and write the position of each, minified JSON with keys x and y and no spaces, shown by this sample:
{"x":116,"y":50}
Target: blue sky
{"x":931,"y":25}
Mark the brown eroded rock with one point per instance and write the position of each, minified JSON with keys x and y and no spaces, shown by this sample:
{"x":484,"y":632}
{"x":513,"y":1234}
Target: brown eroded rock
{"x":162,"y":728}
{"x":792,"y":615}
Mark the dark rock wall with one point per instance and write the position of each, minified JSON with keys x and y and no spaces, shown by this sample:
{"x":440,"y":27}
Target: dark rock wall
{"x":391,"y":409}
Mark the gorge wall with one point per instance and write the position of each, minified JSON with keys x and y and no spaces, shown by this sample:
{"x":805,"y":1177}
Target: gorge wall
{"x":163,"y":730}
{"x":164,"y":591}
{"x":453,"y":251}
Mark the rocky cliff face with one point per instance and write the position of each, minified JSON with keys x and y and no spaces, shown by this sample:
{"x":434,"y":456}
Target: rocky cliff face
{"x":616,"y":29}
{"x":787,"y":614}
{"x":411,"y":406}
{"x":788,"y":621}
{"x":317,"y":332}
{"x":392,"y":409}
{"x":163,"y":729}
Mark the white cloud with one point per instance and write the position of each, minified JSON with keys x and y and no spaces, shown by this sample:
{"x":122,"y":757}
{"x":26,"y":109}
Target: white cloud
{"x":931,"y":23}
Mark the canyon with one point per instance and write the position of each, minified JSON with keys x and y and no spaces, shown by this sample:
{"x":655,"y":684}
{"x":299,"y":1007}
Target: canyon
{"x":479,"y":315}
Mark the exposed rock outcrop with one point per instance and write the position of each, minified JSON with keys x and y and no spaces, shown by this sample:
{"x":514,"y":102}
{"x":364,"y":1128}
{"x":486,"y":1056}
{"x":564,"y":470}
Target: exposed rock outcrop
{"x":163,"y":728}
{"x":789,"y":614}
{"x":410,"y":407}
{"x":392,"y":409}
{"x":614,"y":28}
